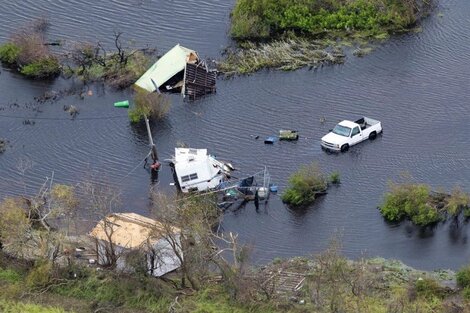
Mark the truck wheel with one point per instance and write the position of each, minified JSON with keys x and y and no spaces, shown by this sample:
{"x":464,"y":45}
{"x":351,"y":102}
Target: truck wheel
{"x":344,"y":148}
{"x":372,"y":135}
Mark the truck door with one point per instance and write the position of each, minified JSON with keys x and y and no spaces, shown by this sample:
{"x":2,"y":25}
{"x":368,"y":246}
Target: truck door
{"x":356,"y":135}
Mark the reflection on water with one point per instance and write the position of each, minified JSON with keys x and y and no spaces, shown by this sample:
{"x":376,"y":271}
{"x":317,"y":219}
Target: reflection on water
{"x":416,"y":84}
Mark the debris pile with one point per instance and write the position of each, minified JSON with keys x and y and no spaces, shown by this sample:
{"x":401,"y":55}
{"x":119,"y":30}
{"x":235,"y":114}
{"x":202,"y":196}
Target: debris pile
{"x":3,"y":145}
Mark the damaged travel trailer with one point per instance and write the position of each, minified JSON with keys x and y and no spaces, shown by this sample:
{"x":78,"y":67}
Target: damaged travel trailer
{"x":179,"y":70}
{"x":196,"y":170}
{"x":123,"y":233}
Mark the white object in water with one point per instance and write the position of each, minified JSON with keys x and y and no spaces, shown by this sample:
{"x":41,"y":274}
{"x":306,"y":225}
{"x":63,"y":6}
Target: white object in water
{"x":263,"y":192}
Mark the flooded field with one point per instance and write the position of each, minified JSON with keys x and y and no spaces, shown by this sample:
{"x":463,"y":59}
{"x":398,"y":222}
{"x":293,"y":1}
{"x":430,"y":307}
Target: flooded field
{"x":416,"y":84}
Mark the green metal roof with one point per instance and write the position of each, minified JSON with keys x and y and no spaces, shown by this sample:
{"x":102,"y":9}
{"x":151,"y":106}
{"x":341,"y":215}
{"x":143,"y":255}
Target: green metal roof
{"x":173,"y":62}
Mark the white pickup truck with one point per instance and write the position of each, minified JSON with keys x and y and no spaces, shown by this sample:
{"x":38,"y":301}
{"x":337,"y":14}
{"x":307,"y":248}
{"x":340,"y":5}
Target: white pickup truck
{"x":348,"y":133}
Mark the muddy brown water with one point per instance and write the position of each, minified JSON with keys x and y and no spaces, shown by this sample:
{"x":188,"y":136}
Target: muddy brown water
{"x":417,"y":84}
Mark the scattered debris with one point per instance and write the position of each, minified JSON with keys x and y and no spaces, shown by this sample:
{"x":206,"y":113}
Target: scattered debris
{"x":360,"y":52}
{"x":72,"y":110}
{"x":3,"y":145}
{"x":121,"y":104}
{"x":270,"y":140}
{"x":29,"y":122}
{"x":285,"y":134}
{"x":180,"y":70}
{"x":251,"y":188}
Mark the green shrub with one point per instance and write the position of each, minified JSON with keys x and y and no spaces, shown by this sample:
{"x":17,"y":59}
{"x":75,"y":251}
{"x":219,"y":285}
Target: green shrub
{"x":410,"y":201}
{"x":428,"y":288}
{"x":10,"y":276}
{"x":153,"y":105}
{"x":9,"y":53}
{"x":133,"y":292}
{"x":466,"y":212}
{"x":304,"y":186}
{"x":43,"y":68}
{"x":335,"y":178}
{"x":40,"y":275}
{"x":457,"y":202}
{"x":463,"y":277}
{"x":466,"y":293}
{"x":264,"y":18}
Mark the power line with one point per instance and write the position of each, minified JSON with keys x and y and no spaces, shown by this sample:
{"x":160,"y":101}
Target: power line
{"x":65,"y":119}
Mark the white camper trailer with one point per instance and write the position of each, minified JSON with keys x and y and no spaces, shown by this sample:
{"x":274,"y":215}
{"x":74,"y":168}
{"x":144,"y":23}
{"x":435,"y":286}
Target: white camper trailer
{"x":195,"y":170}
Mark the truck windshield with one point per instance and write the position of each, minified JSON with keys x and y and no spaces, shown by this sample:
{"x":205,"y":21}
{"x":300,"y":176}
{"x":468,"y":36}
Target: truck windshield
{"x":342,"y":130}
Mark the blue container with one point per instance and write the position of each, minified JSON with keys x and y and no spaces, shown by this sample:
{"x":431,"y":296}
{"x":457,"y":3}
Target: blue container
{"x":269,"y":140}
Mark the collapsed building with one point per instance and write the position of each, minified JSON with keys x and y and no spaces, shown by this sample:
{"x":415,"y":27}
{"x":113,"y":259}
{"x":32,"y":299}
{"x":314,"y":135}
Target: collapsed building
{"x":179,"y":70}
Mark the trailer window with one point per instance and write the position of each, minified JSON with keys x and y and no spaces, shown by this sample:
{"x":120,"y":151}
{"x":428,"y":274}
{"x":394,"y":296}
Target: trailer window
{"x":342,"y":130}
{"x":189,"y":177}
{"x":355,"y":131}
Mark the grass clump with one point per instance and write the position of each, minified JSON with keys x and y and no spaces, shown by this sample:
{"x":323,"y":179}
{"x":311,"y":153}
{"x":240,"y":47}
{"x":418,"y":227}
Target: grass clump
{"x":428,"y":288}
{"x":457,"y":202}
{"x":335,"y":178}
{"x":138,"y":292}
{"x":9,"y":53}
{"x":305,"y":185}
{"x":10,"y":276}
{"x":463,"y":277}
{"x":153,"y":105}
{"x":16,"y":307}
{"x":289,"y":54}
{"x":42,"y":68}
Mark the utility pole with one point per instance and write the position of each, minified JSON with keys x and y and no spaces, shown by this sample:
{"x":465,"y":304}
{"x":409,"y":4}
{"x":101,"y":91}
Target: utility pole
{"x":153,"y":152}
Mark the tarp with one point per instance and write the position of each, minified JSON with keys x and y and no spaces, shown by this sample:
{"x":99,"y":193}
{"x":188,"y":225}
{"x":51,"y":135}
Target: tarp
{"x":173,"y":62}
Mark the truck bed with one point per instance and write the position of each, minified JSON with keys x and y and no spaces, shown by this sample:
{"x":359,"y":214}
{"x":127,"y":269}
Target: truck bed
{"x":366,"y":122}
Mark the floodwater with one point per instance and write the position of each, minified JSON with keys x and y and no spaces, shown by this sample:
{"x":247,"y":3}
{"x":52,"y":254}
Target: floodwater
{"x":416,"y":84}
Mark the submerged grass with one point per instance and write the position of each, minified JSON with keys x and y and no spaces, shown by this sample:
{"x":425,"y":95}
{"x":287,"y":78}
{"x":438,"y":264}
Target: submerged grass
{"x":284,"y":55}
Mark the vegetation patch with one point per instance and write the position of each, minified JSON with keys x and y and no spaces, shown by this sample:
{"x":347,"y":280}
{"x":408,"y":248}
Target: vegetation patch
{"x":150,"y":104}
{"x":28,"y":51}
{"x":267,"y":18}
{"x":16,"y":307}
{"x":463,"y":277}
{"x":416,"y":202}
{"x":119,"y":68}
{"x":305,"y":186}
{"x":285,"y":34}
